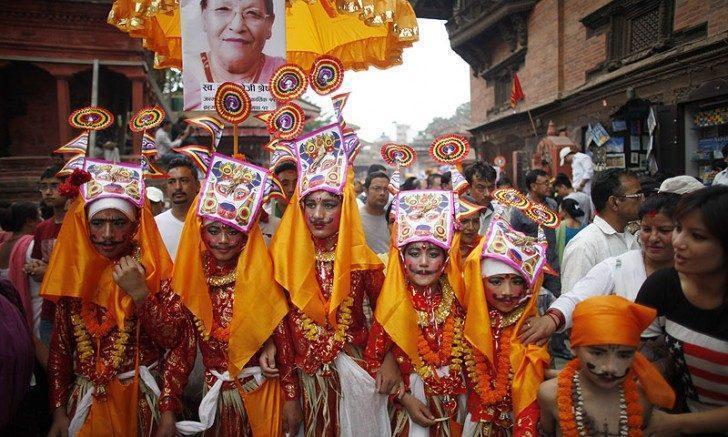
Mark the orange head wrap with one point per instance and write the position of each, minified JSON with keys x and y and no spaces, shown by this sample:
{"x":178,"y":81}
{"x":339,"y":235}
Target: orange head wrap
{"x":76,"y":269}
{"x":615,"y":320}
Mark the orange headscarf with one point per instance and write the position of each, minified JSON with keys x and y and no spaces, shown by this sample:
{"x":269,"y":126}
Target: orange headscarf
{"x":258,"y":305}
{"x":527,"y":362}
{"x":394,"y":310}
{"x":76,"y":269}
{"x":615,"y":320}
{"x":293,"y":252}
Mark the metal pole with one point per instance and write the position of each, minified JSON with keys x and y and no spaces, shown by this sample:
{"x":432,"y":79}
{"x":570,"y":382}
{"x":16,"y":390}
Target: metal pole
{"x":94,"y":102}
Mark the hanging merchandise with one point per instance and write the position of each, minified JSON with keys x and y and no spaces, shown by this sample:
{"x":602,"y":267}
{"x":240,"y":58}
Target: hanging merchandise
{"x":712,"y":117}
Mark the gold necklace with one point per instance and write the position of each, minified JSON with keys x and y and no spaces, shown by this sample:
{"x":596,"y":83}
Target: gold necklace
{"x":219,"y":281}
{"x":443,"y":309}
{"x":508,"y":319}
{"x":326,"y":256}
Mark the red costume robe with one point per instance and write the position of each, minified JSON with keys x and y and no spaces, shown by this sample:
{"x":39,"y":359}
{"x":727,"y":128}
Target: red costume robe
{"x":443,"y":394}
{"x":78,"y":360}
{"x":232,"y":419}
{"x":320,"y":382}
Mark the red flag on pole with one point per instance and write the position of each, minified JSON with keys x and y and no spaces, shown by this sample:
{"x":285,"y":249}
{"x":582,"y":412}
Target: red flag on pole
{"x":516,"y":91}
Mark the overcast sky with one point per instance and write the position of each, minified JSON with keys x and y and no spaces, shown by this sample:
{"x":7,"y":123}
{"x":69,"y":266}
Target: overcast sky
{"x":431,"y":82}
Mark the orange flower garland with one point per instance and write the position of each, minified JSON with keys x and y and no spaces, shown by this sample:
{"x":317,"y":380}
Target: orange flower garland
{"x":566,"y":407}
{"x":491,"y":391}
{"x":89,"y":314}
{"x":451,"y":350}
{"x":441,"y":357}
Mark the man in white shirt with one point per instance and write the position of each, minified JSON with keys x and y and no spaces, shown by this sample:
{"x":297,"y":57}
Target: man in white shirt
{"x":617,"y":198}
{"x":582,"y":168}
{"x":481,"y":184}
{"x":373,"y":220}
{"x":564,"y":189}
{"x":722,"y":177}
{"x":182,"y":187}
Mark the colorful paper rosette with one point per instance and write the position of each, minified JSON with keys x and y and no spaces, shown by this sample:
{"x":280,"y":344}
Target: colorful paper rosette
{"x":288,"y":83}
{"x":147,"y":118}
{"x":398,"y":155}
{"x":450,"y":149}
{"x":511,"y":197}
{"x":287,"y":121}
{"x":232,"y":103}
{"x":542,"y":215}
{"x":326,"y":75}
{"x":91,"y":118}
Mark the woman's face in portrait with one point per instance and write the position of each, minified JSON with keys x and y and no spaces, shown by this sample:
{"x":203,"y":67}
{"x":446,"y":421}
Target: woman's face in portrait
{"x":236,"y":32}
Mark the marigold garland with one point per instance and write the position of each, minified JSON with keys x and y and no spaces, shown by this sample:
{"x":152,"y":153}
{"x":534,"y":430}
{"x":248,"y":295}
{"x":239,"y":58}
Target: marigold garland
{"x":105,"y":370}
{"x":491,"y":390}
{"x":89,"y":314}
{"x":566,"y":408}
{"x":451,"y":351}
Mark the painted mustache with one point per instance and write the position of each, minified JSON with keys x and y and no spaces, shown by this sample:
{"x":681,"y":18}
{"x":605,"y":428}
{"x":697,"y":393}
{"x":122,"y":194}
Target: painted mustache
{"x":506,"y":299}
{"x":606,"y":375}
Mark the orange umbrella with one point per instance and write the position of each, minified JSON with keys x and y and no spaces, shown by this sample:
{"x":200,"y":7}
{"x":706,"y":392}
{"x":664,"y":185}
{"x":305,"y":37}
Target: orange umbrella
{"x":360,"y":33}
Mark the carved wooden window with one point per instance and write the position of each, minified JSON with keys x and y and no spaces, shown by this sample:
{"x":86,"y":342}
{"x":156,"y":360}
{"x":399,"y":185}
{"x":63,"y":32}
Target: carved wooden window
{"x":644,"y":30}
{"x":503,"y":85}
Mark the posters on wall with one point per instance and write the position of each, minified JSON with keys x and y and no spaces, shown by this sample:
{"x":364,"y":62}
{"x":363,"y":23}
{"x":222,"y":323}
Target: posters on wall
{"x":242,"y":41}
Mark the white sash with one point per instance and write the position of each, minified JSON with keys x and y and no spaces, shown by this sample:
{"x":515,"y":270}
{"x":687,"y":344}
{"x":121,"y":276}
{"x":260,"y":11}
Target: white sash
{"x":84,"y":405}
{"x":362,"y":411}
{"x":208,"y":406}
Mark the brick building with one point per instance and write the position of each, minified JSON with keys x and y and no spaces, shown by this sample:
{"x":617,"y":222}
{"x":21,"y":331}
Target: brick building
{"x":47,"y":51}
{"x":583,"y":62}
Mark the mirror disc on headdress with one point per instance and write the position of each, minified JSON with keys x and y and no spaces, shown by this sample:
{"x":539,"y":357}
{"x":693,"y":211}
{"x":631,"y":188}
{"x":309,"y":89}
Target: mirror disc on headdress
{"x":542,"y":215}
{"x":326,"y":75}
{"x":511,"y":197}
{"x":398,"y":154}
{"x":232,"y":103}
{"x":146,"y":118}
{"x":288,"y":83}
{"x":449,"y":149}
{"x":287,"y":121}
{"x":91,"y":118}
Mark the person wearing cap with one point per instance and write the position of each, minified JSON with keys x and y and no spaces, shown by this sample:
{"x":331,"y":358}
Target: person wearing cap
{"x":502,"y":278}
{"x":222,"y":252}
{"x":419,"y":318}
{"x":582,"y":168}
{"x":104,"y":363}
{"x":156,"y":200}
{"x":610,"y":388}
{"x":322,"y":260}
{"x":680,"y":185}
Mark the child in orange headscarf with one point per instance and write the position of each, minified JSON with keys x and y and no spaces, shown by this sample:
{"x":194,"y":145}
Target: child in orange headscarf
{"x":609,"y":388}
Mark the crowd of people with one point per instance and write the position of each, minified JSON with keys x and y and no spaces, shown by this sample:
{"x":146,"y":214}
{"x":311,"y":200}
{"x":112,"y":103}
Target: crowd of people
{"x":320,"y":305}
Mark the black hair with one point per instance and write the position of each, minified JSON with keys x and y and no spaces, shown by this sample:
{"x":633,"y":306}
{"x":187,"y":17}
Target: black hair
{"x":268,"y":6}
{"x":532,"y":176}
{"x":431,"y":179}
{"x":572,"y":208}
{"x":376,"y":168}
{"x":285,"y":166}
{"x":608,"y":183}
{"x":504,"y":181}
{"x":409,"y":184}
{"x":562,"y":179}
{"x":724,"y":151}
{"x":13,"y":219}
{"x":660,"y":203}
{"x":482,"y":171}
{"x":712,"y":203}
{"x":182,"y":161}
{"x":51,"y":171}
{"x":46,"y":211}
{"x":446,"y":178}
{"x":372,"y":176}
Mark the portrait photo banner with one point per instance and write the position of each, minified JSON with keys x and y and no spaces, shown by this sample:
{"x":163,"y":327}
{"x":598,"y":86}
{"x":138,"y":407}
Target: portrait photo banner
{"x":241,"y":41}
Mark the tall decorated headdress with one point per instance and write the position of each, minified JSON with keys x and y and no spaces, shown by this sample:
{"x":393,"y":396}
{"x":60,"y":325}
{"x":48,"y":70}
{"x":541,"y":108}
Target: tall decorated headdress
{"x":233,"y":193}
{"x":82,"y":272}
{"x":522,"y":254}
{"x":324,"y":159}
{"x":420,"y":216}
